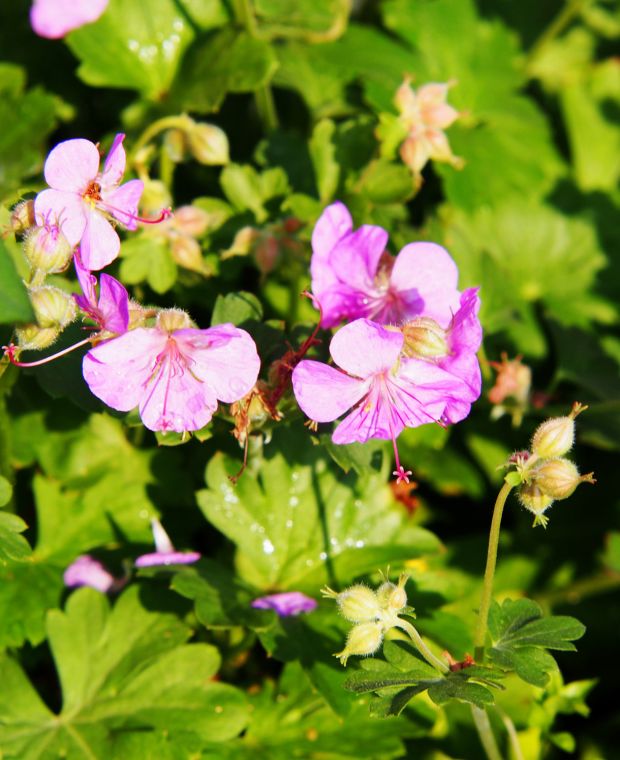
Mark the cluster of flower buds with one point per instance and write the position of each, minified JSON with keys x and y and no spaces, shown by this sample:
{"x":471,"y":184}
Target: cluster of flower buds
{"x":372,"y":612}
{"x":543,"y":475}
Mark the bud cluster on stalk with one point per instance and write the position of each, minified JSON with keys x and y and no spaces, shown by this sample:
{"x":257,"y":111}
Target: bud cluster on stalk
{"x":47,"y":251}
{"x":373,"y":613}
{"x":543,"y":474}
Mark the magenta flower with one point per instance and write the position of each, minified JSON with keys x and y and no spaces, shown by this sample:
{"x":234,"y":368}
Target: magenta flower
{"x":385,"y":389}
{"x":165,"y":553}
{"x":286,"y":604}
{"x":87,"y":571}
{"x":173,"y":373}
{"x":82,"y":200}
{"x":55,"y":18}
{"x":353,"y":276}
{"x":110,"y":310}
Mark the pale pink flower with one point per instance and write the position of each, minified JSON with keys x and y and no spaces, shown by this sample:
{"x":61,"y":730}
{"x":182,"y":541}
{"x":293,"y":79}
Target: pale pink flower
{"x":385,"y":389}
{"x":165,"y":553}
{"x":286,"y":604}
{"x":353,"y":276}
{"x":425,"y":113}
{"x":87,"y":571}
{"x":173,"y":373}
{"x":110,"y":309}
{"x":55,"y":18}
{"x":82,"y":200}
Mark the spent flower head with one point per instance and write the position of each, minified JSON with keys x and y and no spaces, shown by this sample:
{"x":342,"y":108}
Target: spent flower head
{"x":374,"y":612}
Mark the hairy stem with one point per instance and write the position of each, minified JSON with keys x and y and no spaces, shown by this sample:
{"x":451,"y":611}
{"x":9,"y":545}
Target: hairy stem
{"x":485,"y":732}
{"x":489,"y":573}
{"x":421,"y":646}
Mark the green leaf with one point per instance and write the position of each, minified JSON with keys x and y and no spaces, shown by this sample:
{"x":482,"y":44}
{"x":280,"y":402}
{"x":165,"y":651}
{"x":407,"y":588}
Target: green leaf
{"x":236,"y":308}
{"x":147,"y":258}
{"x":136,"y":44}
{"x":6,"y":491}
{"x":13,"y":547}
{"x":248,"y":190}
{"x":227,"y":61}
{"x":320,"y":19}
{"x":323,"y":152}
{"x":593,"y":135}
{"x":27,"y":118}
{"x":521,"y":635}
{"x":14,"y":302}
{"x":126,"y":668}
{"x":297,"y":525}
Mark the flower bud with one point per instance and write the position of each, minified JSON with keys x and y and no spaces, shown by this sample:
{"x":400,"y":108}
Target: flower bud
{"x":155,"y":196}
{"x":391,"y":596}
{"x":35,"y":338}
{"x":191,"y":220}
{"x":424,"y":338}
{"x":47,"y":250}
{"x":52,"y":306}
{"x":175,"y":144}
{"x":187,"y":253}
{"x":22,"y":217}
{"x":358,"y":604}
{"x":559,"y":478}
{"x":173,"y":319}
{"x":208,"y":144}
{"x":363,"y":639}
{"x":555,"y":437}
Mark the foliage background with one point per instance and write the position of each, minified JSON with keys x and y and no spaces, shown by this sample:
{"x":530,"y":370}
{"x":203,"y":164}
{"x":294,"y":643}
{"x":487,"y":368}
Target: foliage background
{"x":300,"y":88}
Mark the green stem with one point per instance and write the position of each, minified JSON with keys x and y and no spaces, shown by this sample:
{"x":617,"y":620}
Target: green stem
{"x":263,"y":96}
{"x":512,"y":734}
{"x":599,"y":584}
{"x":489,"y":573}
{"x":6,"y":469}
{"x":485,"y":732}
{"x":556,"y":27}
{"x":423,"y":649}
{"x":180,"y":121}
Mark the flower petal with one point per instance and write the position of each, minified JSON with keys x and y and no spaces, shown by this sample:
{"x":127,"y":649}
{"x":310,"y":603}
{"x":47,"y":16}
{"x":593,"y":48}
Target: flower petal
{"x":323,"y":392}
{"x":175,"y":400}
{"x":118,"y":370}
{"x":223,"y":357}
{"x":122,"y":203}
{"x":87,"y":571}
{"x":100,"y":243}
{"x":286,"y":604}
{"x":72,"y":165}
{"x":425,"y":278}
{"x":364,"y":348}
{"x":66,"y":209}
{"x":113,"y":304}
{"x":333,"y":224}
{"x":355,"y":258}
{"x":54,"y":18}
{"x":167,"y":558}
{"x":114,"y":166}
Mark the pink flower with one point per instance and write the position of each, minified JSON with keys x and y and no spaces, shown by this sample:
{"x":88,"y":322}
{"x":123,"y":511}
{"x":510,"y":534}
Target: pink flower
{"x":286,"y":604}
{"x":82,"y":199}
{"x":173,"y":373}
{"x":425,"y":114}
{"x":87,"y":571}
{"x":353,"y":276}
{"x":165,"y":553}
{"x":111,"y":309}
{"x":385,"y":389}
{"x":55,"y":18}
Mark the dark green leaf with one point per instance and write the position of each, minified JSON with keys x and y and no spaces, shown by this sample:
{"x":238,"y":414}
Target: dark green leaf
{"x":236,"y":308}
{"x":14,"y":302}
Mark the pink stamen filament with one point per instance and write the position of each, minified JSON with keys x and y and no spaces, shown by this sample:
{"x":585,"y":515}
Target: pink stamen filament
{"x":9,"y":352}
{"x":165,"y":213}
